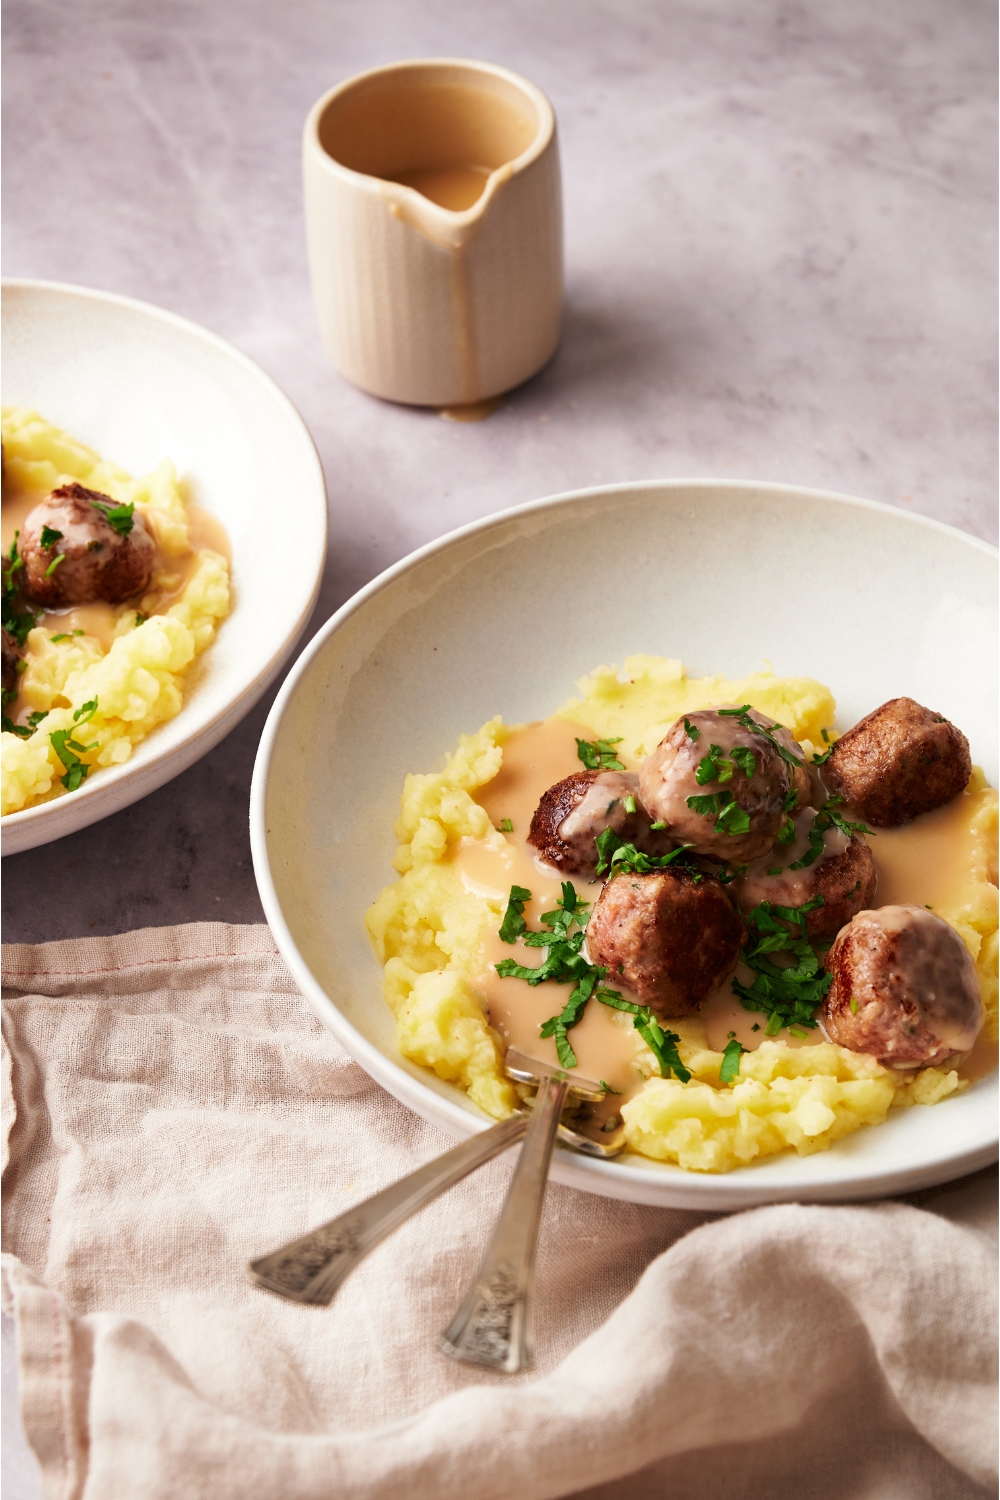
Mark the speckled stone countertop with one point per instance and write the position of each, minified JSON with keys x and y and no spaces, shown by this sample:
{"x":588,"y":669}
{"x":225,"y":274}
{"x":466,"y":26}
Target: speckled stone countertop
{"x":780,"y":246}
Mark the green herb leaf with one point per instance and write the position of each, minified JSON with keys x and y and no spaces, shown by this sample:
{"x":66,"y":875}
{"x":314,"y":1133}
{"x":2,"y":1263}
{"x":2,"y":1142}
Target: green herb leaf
{"x":733,"y":1051}
{"x":62,"y":636}
{"x":691,"y":730}
{"x":786,"y":833}
{"x":629,"y":803}
{"x":120,"y":516}
{"x":599,"y":755}
{"x":54,"y":564}
{"x":616,"y":857}
{"x":86,"y":712}
{"x":662,"y":1044}
{"x":66,"y":749}
{"x":513,"y":921}
{"x":35,"y":718}
{"x":505,"y":826}
{"x":49,"y":537}
{"x":787,"y":994}
{"x":9,"y":727}
{"x":742,"y":715}
{"x":608,"y":1089}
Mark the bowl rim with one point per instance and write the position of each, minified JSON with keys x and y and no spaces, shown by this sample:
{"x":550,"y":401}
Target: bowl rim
{"x":114,"y":776}
{"x":687,"y":1189}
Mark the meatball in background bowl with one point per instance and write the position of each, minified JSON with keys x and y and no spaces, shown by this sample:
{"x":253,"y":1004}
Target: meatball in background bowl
{"x":503,"y":617}
{"x":139,"y":385}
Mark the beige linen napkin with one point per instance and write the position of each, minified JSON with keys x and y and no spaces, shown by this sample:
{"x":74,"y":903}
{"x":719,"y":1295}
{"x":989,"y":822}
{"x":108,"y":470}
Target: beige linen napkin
{"x":175,"y":1108}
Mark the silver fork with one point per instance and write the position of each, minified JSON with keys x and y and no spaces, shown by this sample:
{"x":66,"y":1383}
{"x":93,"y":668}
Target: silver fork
{"x":312,"y":1268}
{"x":494,"y":1325}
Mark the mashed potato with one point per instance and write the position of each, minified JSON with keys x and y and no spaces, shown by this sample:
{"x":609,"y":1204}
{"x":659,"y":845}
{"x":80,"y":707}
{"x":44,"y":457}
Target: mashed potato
{"x":137,"y":678}
{"x":426,"y":930}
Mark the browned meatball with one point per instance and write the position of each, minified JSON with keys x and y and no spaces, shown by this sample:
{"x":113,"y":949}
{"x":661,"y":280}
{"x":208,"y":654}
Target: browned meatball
{"x":572,"y":813}
{"x":668,"y":780}
{"x":667,"y":937}
{"x":904,"y":988}
{"x":98,"y":561}
{"x":843,"y":874}
{"x":899,"y":761}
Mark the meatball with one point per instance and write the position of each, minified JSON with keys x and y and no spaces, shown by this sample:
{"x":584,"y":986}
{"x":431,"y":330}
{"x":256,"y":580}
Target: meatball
{"x":801,"y":782}
{"x":668,"y":782}
{"x":667,"y":937}
{"x":843,"y":874}
{"x":904,"y":988}
{"x":98,"y":561}
{"x":572,"y":813}
{"x":898,"y":762}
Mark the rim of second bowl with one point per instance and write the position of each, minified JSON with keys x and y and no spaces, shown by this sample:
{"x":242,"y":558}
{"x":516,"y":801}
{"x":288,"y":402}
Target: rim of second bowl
{"x":19,"y":827}
{"x":689,"y":1189}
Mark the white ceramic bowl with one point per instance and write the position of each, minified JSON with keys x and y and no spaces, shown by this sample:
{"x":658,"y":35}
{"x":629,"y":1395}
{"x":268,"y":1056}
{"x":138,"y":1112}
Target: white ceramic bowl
{"x":502,"y":617}
{"x":139,"y":384}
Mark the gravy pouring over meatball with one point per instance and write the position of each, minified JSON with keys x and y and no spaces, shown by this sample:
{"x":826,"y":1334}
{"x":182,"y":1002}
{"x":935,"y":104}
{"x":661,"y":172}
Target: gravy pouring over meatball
{"x":904,"y":988}
{"x":74,"y":555}
{"x":577,"y":809}
{"x":753,"y":779}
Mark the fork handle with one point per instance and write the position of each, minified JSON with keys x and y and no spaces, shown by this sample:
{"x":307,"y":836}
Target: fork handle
{"x":494,"y":1325}
{"x":312,"y":1269}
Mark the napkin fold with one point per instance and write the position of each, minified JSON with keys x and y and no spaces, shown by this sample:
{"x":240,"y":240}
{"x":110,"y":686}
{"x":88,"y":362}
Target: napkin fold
{"x":173,"y":1109}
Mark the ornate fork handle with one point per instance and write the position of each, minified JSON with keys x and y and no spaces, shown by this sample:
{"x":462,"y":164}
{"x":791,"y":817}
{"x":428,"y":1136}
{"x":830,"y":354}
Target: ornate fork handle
{"x":312,"y":1268}
{"x":494,"y":1324}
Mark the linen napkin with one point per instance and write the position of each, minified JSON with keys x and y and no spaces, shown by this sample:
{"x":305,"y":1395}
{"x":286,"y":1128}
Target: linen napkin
{"x":174,"y":1108}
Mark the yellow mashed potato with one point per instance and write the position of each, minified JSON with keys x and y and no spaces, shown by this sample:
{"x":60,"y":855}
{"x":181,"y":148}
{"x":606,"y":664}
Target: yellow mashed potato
{"x":138,"y":682}
{"x":426,"y":929}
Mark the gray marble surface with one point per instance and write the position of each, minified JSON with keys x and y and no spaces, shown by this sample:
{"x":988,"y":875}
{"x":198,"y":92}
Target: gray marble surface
{"x":780,"y":243}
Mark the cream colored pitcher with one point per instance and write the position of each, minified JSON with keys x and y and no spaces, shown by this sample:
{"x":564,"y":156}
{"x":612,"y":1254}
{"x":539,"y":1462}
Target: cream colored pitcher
{"x":434,"y":229}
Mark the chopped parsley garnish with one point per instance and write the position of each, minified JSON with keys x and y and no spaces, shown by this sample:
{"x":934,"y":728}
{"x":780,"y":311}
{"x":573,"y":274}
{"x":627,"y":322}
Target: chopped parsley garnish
{"x":629,"y":803}
{"x":16,"y":622}
{"x":34,"y":719}
{"x":730,"y":1069}
{"x":716,"y":766}
{"x":62,"y":636}
{"x":86,"y":712}
{"x":140,"y":619}
{"x":513,"y":921}
{"x":49,"y":537}
{"x":69,"y":752}
{"x":608,"y":1089}
{"x":742,"y":716}
{"x":774,"y":869}
{"x":662,"y":1044}
{"x":505,"y":826}
{"x":565,"y":963}
{"x":616,"y":857}
{"x":656,"y":827}
{"x":791,"y":801}
{"x":691,"y":730}
{"x":786,"y":833}
{"x":821,"y":760}
{"x":54,"y":564}
{"x":786,"y":995}
{"x":729,"y":816}
{"x":826,"y":818}
{"x":9,"y":727}
{"x":120,"y":516}
{"x":599,"y":755}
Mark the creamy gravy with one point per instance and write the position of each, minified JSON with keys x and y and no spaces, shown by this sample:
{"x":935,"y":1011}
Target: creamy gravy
{"x":924,"y":862}
{"x":456,"y":188}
